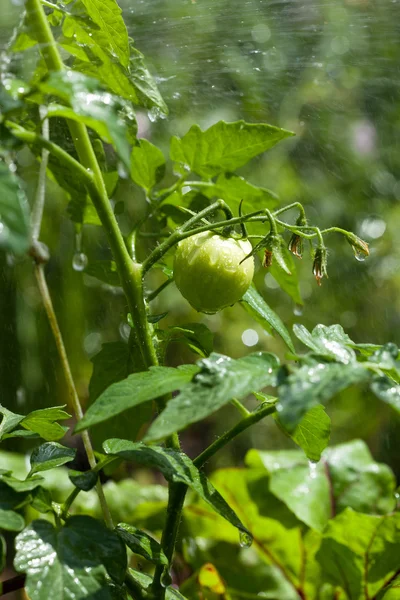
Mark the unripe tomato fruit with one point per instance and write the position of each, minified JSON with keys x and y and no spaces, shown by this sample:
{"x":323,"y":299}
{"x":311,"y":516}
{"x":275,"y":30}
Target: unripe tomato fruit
{"x":208,"y":273}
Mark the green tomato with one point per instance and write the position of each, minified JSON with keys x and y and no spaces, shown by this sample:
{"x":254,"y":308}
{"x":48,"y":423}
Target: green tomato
{"x":208,"y":273}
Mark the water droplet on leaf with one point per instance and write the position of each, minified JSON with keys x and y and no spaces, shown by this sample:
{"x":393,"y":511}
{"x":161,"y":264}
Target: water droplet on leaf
{"x":79,"y":261}
{"x":298,"y":310}
{"x":245,"y":539}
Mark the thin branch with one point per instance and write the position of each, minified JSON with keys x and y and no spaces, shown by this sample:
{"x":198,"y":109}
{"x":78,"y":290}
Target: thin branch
{"x":76,"y":405}
{"x":38,"y":206}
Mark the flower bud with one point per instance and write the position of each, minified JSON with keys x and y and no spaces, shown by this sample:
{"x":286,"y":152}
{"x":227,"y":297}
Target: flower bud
{"x":320,"y":263}
{"x":360,"y":248}
{"x":296,"y":245}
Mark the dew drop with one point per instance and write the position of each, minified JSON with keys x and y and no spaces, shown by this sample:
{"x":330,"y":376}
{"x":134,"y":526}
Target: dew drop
{"x":313,"y":469}
{"x":166,"y":578}
{"x":298,"y":310}
{"x":360,"y":256}
{"x":245,"y":539}
{"x":155,"y":114}
{"x":79,"y":261}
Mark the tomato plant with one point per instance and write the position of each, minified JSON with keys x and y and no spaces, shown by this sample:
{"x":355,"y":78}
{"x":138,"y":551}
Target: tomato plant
{"x":315,"y":522}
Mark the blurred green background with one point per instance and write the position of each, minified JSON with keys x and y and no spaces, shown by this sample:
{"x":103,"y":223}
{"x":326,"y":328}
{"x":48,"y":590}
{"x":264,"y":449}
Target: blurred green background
{"x":329,"y":71}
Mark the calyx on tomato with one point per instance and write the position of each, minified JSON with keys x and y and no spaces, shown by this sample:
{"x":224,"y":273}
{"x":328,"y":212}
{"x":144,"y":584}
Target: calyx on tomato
{"x":208,"y":270}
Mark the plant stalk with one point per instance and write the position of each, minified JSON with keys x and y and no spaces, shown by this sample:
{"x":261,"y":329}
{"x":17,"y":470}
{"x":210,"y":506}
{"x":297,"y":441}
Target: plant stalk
{"x":178,"y":491}
{"x":129,"y":271}
{"x":76,"y":405}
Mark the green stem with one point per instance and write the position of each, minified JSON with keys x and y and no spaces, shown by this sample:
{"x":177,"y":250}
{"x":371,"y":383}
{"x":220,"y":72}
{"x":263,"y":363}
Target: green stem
{"x":242,"y":409}
{"x":54,"y":7}
{"x":162,"y":287}
{"x":186,"y":230}
{"x":176,"y":498}
{"x":38,"y":205}
{"x":68,"y":502}
{"x":129,"y":271}
{"x":178,"y":491}
{"x":262,"y":411}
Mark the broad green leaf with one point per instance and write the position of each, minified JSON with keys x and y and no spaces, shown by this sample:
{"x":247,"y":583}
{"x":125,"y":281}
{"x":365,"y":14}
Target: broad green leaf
{"x":387,"y":390}
{"x":220,"y":379}
{"x":90,"y":105}
{"x":360,"y":553}
{"x":14,"y":214}
{"x":359,"y":481}
{"x":104,"y":270}
{"x":11,"y":521}
{"x":50,"y":455}
{"x":18,"y":486}
{"x":9,"y":421}
{"x":70,"y":562}
{"x":233,"y":189}
{"x":145,"y":85}
{"x":134,"y":390}
{"x":145,"y":582}
{"x":176,"y":468}
{"x":134,"y":84}
{"x":44,"y":423}
{"x":85,"y":480}
{"x":288,"y":283}
{"x":306,"y":491}
{"x":224,"y":146}
{"x":279,"y":539}
{"x":345,"y":476}
{"x":141,"y":543}
{"x":111,"y":29}
{"x":196,"y":336}
{"x":330,"y":342}
{"x":313,"y":432}
{"x":147,"y":164}
{"x":256,"y":306}
{"x":313,"y":384}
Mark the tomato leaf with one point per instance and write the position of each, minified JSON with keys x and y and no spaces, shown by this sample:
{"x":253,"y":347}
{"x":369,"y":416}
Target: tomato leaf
{"x":147,"y":165}
{"x":89,"y":104}
{"x":14,"y":214}
{"x":224,"y":146}
{"x":44,"y":422}
{"x":176,"y":468}
{"x":220,"y":379}
{"x":141,"y":543}
{"x":313,"y":384}
{"x":11,"y":520}
{"x":134,"y":390}
{"x":111,"y":29}
{"x":233,"y":189}
{"x":360,"y":553}
{"x":71,"y":561}
{"x":49,"y":456}
{"x":312,"y":433}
